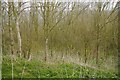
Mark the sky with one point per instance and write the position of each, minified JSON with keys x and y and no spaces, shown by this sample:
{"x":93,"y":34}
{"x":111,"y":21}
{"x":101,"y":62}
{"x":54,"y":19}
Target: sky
{"x":66,"y":0}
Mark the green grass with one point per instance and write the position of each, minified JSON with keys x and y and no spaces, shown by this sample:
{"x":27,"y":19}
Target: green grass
{"x":37,"y":69}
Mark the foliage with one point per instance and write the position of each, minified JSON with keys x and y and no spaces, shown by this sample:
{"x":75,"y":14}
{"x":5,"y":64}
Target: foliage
{"x":37,"y":69}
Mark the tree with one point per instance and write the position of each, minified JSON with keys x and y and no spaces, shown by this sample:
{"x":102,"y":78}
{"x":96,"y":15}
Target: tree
{"x":47,"y":11}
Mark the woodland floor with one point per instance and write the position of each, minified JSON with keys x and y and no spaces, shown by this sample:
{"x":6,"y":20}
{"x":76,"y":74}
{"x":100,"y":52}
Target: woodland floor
{"x":23,"y":68}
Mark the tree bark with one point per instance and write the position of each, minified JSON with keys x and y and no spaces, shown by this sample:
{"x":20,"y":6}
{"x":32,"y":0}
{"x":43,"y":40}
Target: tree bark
{"x":46,"y":48}
{"x":85,"y":52}
{"x":18,"y":31}
{"x":19,"y":37}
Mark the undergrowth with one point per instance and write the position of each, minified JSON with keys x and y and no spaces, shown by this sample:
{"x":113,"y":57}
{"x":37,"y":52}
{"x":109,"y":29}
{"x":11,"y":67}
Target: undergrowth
{"x":38,"y":69}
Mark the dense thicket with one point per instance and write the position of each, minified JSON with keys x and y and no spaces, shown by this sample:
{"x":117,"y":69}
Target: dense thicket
{"x":86,"y":31}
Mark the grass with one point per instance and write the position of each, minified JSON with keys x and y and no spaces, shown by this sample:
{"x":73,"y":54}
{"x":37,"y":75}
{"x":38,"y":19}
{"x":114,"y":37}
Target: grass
{"x":39,"y":69}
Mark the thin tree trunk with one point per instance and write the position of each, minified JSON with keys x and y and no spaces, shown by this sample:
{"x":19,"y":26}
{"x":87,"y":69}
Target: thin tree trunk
{"x":19,"y":37}
{"x":97,"y":54}
{"x":97,"y":46}
{"x":51,"y":47}
{"x":46,"y":48}
{"x":12,"y":52}
{"x":85,"y":52}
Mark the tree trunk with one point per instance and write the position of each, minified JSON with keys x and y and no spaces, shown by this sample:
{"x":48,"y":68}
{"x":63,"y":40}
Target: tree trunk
{"x":97,"y":46}
{"x":85,"y":52}
{"x":29,"y":55}
{"x":12,"y":41}
{"x":51,"y":47}
{"x":19,"y":37}
{"x":97,"y":54}
{"x":46,"y":48}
